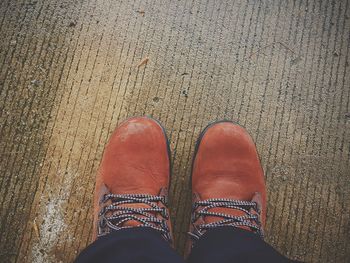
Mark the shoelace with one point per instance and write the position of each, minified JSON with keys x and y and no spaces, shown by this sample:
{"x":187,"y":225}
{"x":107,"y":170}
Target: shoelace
{"x":250,"y":219}
{"x":113,"y":216}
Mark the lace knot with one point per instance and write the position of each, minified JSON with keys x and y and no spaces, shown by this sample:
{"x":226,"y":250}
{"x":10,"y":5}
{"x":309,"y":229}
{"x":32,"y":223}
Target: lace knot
{"x":116,"y":213}
{"x":250,"y":217}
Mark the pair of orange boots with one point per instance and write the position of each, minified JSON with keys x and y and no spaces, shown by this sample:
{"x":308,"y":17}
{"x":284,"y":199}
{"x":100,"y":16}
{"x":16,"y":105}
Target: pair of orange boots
{"x":133,"y":181}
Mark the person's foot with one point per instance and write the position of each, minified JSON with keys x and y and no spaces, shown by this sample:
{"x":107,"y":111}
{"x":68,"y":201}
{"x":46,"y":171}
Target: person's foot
{"x":228,"y":186}
{"x":133,"y":180}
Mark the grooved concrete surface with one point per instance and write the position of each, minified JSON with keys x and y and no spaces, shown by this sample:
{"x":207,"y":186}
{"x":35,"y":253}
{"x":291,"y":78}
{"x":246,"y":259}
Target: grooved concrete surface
{"x":69,"y":73}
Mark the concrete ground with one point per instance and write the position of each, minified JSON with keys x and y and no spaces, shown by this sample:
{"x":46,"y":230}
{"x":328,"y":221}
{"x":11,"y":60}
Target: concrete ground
{"x":72,"y":69}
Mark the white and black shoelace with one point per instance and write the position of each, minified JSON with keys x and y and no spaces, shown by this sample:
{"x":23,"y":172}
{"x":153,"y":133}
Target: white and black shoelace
{"x":113,"y":216}
{"x":251,"y":218}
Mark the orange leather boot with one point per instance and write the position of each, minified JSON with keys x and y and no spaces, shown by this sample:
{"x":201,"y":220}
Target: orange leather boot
{"x":133,"y":180}
{"x":227,"y":182}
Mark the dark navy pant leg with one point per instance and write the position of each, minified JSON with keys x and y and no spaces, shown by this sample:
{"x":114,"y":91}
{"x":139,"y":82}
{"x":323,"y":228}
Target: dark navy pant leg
{"x":231,"y":245}
{"x":134,"y":245}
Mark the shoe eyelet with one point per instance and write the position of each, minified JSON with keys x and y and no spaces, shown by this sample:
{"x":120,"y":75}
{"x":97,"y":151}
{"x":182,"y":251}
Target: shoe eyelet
{"x":102,"y":222}
{"x":164,"y":224}
{"x":165,"y":213}
{"x":165,"y":200}
{"x":194,"y":217}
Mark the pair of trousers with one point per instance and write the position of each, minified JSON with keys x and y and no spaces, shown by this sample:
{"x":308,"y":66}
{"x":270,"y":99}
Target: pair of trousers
{"x":145,"y":245}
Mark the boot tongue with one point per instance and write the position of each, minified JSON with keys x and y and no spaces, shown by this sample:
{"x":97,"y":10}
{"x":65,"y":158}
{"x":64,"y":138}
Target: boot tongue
{"x":220,"y":210}
{"x":133,"y":223}
{"x":129,"y":223}
{"x":226,"y":211}
{"x":231,"y":212}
